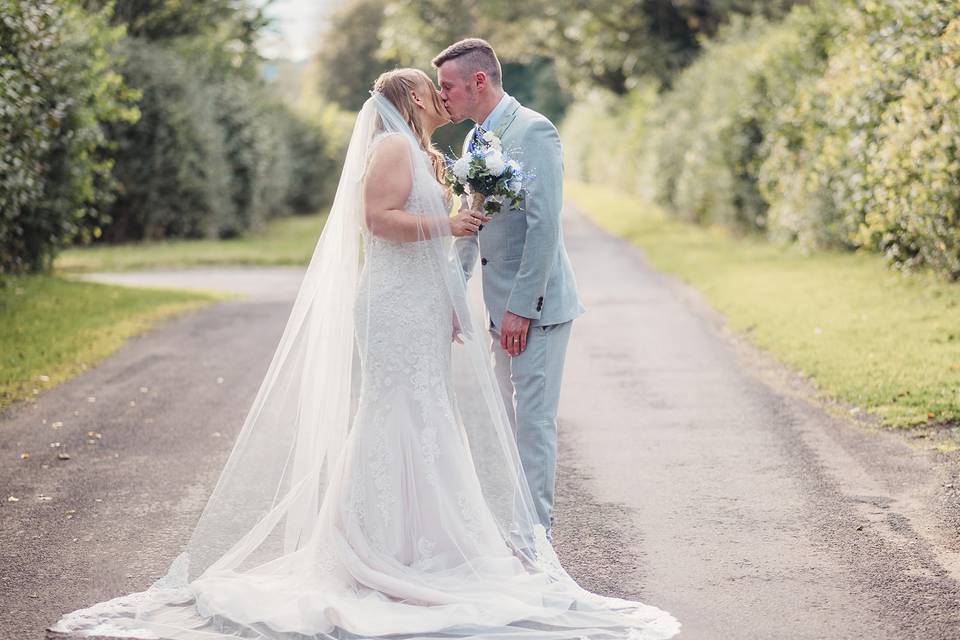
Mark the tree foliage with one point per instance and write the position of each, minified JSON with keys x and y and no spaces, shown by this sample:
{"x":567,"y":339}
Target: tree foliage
{"x":350,"y":56}
{"x":136,"y":119}
{"x":611,"y":45}
{"x":836,"y":127}
{"x":58,"y":92}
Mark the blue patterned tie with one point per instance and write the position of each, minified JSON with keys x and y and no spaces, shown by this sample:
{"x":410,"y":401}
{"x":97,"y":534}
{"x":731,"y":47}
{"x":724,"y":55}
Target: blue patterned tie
{"x":474,"y":139}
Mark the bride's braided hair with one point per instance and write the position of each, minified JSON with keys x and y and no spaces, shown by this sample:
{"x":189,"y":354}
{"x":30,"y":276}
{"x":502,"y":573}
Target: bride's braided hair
{"x":396,"y":86}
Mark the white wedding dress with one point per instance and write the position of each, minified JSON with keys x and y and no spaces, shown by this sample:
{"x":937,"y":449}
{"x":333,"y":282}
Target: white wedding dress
{"x":418,"y":526}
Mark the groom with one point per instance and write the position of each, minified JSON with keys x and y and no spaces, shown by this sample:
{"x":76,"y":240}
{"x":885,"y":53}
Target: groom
{"x":528,"y":283}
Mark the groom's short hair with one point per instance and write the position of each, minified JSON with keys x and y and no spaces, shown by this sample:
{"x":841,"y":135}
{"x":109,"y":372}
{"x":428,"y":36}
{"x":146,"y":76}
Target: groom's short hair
{"x":473,"y":54}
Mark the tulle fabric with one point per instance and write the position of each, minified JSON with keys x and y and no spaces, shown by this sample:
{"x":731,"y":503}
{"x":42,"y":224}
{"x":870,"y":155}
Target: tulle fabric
{"x":360,"y":501}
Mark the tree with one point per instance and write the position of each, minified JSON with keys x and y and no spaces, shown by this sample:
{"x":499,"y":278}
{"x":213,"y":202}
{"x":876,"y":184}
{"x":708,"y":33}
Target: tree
{"x":59,"y":91}
{"x":610,"y":45}
{"x":350,"y":56}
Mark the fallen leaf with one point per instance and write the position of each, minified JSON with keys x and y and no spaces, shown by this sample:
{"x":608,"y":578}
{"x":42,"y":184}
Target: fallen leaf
{"x":44,"y":378}
{"x":94,"y":434}
{"x":13,"y":499}
{"x":25,"y":455}
{"x":54,"y":445}
{"x":57,"y":424}
{"x":44,"y":498}
{"x":63,"y":456}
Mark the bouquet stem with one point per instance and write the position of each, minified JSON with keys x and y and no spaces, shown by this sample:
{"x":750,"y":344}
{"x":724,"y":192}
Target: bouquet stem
{"x":476,"y":201}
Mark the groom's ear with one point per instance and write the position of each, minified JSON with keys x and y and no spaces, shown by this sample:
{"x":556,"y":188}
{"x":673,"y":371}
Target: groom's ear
{"x":480,"y":78}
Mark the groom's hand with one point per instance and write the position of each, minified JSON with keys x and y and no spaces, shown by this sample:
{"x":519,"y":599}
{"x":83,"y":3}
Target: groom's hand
{"x":513,"y":333}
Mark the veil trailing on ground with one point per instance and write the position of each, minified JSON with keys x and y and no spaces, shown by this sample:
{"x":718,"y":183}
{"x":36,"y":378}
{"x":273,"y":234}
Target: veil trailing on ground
{"x":266,"y":523}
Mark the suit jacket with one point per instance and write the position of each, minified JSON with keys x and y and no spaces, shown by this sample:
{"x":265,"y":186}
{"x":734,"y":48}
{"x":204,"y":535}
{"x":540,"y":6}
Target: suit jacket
{"x":523,"y":259}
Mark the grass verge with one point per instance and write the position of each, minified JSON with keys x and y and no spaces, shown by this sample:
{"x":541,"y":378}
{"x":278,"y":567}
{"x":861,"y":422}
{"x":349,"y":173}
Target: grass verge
{"x":884,"y":341}
{"x":51,"y":328}
{"x":283,"y":241}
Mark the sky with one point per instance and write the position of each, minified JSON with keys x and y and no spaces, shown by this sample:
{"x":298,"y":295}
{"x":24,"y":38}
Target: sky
{"x":296,"y":24}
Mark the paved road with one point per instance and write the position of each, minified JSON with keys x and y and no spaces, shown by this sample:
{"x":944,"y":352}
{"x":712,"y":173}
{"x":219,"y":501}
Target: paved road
{"x":694,"y":472}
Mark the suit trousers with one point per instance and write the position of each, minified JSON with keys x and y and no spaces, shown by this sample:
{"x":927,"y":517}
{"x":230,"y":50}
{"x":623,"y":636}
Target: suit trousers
{"x":530,"y":385}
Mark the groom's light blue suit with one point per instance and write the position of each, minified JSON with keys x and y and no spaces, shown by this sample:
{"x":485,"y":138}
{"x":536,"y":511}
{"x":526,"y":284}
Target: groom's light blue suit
{"x":526,"y":271}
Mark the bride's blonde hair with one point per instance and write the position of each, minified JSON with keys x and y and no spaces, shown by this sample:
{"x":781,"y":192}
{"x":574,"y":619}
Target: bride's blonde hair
{"x":396,"y":86}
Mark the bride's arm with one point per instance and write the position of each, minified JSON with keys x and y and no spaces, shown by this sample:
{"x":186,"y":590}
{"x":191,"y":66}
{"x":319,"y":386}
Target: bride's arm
{"x":386,"y":188}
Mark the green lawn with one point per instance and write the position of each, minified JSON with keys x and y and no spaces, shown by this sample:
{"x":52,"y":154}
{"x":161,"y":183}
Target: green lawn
{"x":884,"y":341}
{"x":288,"y":240}
{"x":51,"y":328}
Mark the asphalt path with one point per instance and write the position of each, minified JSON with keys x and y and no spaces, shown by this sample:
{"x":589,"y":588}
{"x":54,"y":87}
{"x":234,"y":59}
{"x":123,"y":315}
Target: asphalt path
{"x":695,"y":473}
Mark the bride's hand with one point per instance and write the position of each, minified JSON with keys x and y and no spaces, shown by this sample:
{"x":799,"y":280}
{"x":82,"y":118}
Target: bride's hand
{"x":457,"y":330}
{"x":467,"y":222}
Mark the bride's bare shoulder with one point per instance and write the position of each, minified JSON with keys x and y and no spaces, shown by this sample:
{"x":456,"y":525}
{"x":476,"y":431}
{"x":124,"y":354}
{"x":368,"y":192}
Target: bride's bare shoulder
{"x":388,"y":178}
{"x":391,"y":143}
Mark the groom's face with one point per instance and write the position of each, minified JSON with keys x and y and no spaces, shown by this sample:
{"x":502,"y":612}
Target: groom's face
{"x":459,"y":96}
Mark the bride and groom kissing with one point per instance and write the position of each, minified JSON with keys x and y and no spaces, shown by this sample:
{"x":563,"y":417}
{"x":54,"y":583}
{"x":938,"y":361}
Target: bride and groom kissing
{"x":385,"y":482}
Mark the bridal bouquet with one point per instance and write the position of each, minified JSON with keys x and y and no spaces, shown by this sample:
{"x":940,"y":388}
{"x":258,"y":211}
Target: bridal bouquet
{"x":487,"y":174}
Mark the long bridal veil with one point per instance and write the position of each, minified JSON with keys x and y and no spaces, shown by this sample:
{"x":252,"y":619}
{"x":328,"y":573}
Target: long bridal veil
{"x":266,"y":519}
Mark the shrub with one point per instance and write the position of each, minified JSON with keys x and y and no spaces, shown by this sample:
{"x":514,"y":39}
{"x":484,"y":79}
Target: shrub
{"x":171,"y":166}
{"x":914,"y":177}
{"x":817,"y":180}
{"x":605,"y":138}
{"x":713,"y":124}
{"x":314,"y":161}
{"x":835,"y":128}
{"x":58,"y":90}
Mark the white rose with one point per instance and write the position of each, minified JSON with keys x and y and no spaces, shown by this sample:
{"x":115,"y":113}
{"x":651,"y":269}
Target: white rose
{"x":513,"y":164}
{"x":461,"y":168}
{"x":492,"y":140}
{"x":515,"y":185}
{"x":495,"y":162}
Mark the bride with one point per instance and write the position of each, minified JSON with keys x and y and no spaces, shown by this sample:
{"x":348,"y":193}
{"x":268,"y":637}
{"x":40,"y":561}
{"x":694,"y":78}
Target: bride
{"x":375,"y":487}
